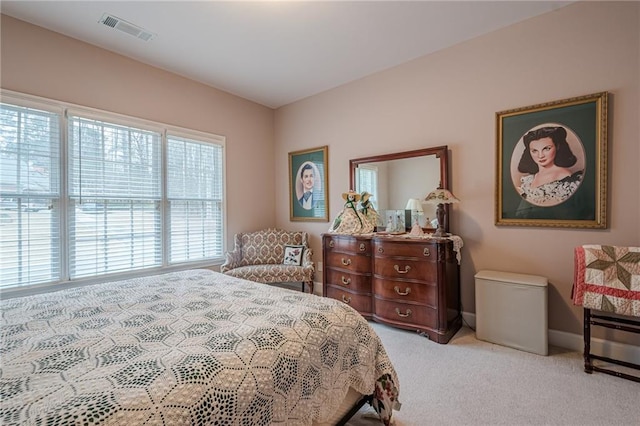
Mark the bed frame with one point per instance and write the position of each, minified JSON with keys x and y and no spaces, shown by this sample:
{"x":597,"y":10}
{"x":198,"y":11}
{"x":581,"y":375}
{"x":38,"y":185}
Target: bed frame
{"x":602,"y":320}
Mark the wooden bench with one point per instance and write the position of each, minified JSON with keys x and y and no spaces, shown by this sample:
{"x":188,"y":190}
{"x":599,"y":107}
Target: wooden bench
{"x":605,"y":285}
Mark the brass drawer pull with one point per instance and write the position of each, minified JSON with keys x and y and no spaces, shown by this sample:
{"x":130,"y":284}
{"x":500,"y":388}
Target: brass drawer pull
{"x":400,"y":314}
{"x":380,"y":250}
{"x":346,"y":281}
{"x":346,"y":262}
{"x":426,"y":251}
{"x":407,"y":268}
{"x":407,"y":291}
{"x":362,"y":247}
{"x":346,"y":300}
{"x":331,"y":243}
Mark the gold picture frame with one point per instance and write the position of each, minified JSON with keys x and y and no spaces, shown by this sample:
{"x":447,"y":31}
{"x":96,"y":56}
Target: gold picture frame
{"x":551,"y":162}
{"x":308,"y":188}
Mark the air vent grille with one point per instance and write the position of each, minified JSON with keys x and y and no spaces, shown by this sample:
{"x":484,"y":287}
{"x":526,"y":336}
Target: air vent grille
{"x":110,"y":21}
{"x":126,"y":27}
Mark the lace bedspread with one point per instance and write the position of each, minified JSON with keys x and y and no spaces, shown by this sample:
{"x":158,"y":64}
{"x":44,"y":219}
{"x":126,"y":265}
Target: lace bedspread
{"x":186,"y":348}
{"x":607,"y":278}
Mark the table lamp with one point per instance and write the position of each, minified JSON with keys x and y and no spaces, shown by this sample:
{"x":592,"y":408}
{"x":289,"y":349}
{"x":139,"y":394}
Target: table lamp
{"x":441,"y":196}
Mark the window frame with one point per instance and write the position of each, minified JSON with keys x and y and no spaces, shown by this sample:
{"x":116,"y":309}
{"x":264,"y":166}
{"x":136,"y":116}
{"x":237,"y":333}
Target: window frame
{"x":64,"y":109}
{"x":375,"y":171}
{"x":199,"y":137}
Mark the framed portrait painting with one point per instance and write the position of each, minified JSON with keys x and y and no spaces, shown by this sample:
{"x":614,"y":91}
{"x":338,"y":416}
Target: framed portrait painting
{"x":308,"y":190}
{"x":552,"y":164}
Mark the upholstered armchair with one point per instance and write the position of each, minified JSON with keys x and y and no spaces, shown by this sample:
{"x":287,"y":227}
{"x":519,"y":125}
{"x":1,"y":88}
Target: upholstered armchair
{"x":271,"y":256}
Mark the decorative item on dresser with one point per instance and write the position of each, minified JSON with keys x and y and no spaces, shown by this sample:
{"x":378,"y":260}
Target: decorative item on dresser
{"x":415,"y":207}
{"x":440,"y":197}
{"x":410,"y":283}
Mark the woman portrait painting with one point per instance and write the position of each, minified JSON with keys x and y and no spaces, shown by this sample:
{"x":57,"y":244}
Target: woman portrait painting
{"x":552,"y":164}
{"x":547,"y":166}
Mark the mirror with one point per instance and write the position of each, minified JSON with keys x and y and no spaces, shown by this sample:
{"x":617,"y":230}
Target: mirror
{"x":401,"y":176}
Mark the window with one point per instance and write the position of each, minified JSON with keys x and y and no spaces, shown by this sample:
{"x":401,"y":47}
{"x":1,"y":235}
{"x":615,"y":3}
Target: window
{"x":194,"y":187}
{"x":114,"y":198}
{"x":29,"y":196}
{"x":110,"y":195}
{"x":367,"y":180}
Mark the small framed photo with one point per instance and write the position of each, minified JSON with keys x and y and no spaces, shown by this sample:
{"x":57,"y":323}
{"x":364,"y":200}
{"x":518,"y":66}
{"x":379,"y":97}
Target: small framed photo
{"x":308,"y":189}
{"x":394,"y":221}
{"x":552,"y":164}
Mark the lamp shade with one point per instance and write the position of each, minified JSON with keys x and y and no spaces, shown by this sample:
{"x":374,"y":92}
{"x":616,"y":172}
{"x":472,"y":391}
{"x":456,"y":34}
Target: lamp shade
{"x":441,"y":196}
{"x":414,"y":205}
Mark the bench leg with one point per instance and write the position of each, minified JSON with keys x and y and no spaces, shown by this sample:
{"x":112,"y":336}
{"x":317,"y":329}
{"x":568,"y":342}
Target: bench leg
{"x":588,"y":362}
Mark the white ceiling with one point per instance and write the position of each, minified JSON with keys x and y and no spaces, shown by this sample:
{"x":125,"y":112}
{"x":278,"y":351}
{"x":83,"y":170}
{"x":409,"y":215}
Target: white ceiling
{"x":277,"y":52}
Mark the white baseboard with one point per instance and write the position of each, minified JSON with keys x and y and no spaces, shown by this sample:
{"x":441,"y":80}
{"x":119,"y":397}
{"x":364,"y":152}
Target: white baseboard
{"x":575,"y":342}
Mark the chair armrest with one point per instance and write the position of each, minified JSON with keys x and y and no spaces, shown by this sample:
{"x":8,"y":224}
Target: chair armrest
{"x":307,"y":263}
{"x":232,"y":260}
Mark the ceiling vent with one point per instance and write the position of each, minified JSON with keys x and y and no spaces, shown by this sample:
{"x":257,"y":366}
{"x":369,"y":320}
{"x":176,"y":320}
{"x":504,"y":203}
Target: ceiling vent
{"x":127,"y":27}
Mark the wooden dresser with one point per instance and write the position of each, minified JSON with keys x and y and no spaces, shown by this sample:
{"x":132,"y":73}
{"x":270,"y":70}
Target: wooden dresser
{"x":347,"y":271}
{"x":404,"y":282}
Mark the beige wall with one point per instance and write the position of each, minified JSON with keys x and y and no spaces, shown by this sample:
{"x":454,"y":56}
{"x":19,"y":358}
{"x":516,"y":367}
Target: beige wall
{"x":451,"y":97}
{"x":43,"y":63}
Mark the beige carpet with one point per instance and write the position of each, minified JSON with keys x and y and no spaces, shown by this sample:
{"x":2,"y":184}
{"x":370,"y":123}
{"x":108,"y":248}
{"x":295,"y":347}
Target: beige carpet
{"x":470,"y":382}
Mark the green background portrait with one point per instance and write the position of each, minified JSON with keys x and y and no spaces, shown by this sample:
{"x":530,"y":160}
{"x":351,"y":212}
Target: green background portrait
{"x":318,"y":210}
{"x":581,"y":205}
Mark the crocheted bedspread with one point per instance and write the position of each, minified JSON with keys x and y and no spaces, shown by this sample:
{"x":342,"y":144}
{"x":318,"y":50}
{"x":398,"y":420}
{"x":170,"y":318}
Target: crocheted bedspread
{"x":186,"y":348}
{"x":607,"y":278}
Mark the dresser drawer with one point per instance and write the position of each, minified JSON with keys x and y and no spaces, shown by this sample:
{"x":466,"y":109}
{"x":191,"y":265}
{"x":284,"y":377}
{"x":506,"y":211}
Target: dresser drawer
{"x":423,"y":251}
{"x":353,"y":282}
{"x":406,"y":291}
{"x":406,"y":313}
{"x":348,"y":244}
{"x":358,"y":302}
{"x":351,"y":262}
{"x":405,"y":269}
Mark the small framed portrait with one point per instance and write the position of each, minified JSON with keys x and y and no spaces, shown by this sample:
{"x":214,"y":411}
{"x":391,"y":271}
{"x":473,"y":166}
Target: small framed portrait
{"x":395,"y":221}
{"x":552,"y":164}
{"x":308,"y":190}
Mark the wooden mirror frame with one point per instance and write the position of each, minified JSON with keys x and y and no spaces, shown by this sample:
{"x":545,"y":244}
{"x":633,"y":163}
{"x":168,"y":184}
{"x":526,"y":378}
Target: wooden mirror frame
{"x":441,"y":152}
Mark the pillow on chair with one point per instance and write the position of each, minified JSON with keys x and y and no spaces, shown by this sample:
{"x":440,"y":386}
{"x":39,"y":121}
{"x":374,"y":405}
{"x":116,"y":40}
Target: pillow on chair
{"x":293,"y":255}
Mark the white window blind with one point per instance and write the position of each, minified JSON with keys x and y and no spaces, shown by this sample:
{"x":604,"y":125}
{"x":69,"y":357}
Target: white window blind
{"x":29,"y":195}
{"x":195,"y":196}
{"x":114,"y":198}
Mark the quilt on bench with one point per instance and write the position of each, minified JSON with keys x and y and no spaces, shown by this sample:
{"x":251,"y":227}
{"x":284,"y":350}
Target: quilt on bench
{"x":607,"y":278}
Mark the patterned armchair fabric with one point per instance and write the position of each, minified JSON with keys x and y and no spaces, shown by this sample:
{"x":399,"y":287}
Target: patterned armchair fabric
{"x":258,"y":256}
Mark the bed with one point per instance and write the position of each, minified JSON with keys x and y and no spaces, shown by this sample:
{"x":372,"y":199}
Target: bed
{"x":607,"y":286}
{"x":192,"y":347}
